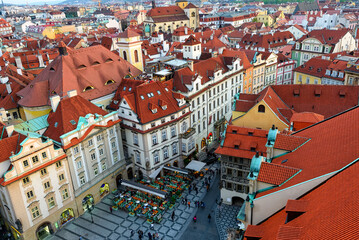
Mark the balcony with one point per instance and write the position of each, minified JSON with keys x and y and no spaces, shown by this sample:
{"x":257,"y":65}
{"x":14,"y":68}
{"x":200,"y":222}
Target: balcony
{"x":188,"y":133}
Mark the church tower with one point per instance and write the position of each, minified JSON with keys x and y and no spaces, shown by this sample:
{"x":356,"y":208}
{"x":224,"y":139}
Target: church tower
{"x":129,"y":48}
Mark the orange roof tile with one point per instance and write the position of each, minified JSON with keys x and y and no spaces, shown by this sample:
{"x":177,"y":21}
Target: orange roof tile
{"x":288,"y":142}
{"x":275,"y":174}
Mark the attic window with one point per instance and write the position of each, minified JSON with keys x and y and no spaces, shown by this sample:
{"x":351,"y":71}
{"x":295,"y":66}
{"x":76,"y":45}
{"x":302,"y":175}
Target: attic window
{"x":284,"y":161}
{"x":236,"y":146}
{"x":342,"y":93}
{"x":95,"y":63}
{"x":88,"y":88}
{"x":253,"y":149}
{"x":142,"y":97}
{"x":56,"y":124}
{"x":164,"y":107}
{"x":130,"y":89}
{"x":124,"y":88}
{"x":296,"y":92}
{"x":81,"y":67}
{"x":52,"y":69}
{"x":109,"y":60}
{"x":154,"y":110}
{"x":73,"y":122}
{"x":159,"y":93}
{"x":250,"y":133}
{"x":317,"y":92}
{"x":109,"y":82}
{"x":150,"y":94}
{"x":166,"y":89}
{"x":234,"y":131}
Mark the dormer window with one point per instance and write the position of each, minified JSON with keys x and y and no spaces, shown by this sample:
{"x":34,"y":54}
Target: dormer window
{"x":109,"y":60}
{"x":95,"y":63}
{"x":109,"y":82}
{"x":154,"y":110}
{"x":88,"y":88}
{"x":52,"y":69}
{"x":81,"y":66}
{"x":164,"y":107}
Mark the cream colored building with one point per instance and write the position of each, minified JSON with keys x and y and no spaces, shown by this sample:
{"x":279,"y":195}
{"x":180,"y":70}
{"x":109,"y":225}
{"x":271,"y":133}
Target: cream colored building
{"x":36,"y":193}
{"x":129,"y":48}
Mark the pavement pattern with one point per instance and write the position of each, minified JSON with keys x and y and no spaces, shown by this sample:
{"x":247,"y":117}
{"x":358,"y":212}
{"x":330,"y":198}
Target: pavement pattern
{"x":226,"y":218}
{"x":118,"y":225}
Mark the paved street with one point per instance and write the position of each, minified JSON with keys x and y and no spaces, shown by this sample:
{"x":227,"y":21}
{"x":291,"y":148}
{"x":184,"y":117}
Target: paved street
{"x":203,"y":229}
{"x":118,"y":226}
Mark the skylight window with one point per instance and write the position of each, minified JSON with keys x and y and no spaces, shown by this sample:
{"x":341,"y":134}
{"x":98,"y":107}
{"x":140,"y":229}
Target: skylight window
{"x":130,"y":89}
{"x":56,"y":123}
{"x":166,"y":89}
{"x":124,"y":88}
{"x":159,"y":93}
{"x":73,"y":122}
{"x":142,"y":97}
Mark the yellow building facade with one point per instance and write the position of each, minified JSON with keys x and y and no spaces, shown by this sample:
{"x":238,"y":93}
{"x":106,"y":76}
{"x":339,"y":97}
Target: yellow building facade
{"x":257,"y":118}
{"x":129,"y":48}
{"x":302,"y":78}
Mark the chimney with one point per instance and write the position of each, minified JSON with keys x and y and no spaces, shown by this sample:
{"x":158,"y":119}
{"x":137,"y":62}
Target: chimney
{"x":8,"y":87}
{"x":9,"y":130}
{"x":41,"y":60}
{"x":4,"y":80}
{"x":55,"y":100}
{"x":185,"y":30}
{"x":18,"y":62}
{"x":62,"y":48}
{"x":19,"y":71}
{"x":190,"y":65}
{"x":3,"y":116}
{"x":72,"y":93}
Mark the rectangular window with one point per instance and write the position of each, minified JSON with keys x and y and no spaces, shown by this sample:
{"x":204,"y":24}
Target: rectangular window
{"x":135,"y":139}
{"x":44,"y":155}
{"x":104,"y":166}
{"x":51,"y":202}
{"x":154,"y":139}
{"x":82,"y":180}
{"x":26,"y":163}
{"x":43,"y":172}
{"x":98,"y":137}
{"x":76,"y":150}
{"x":156,"y":157}
{"x":35,"y":212}
{"x":111,"y":131}
{"x":174,"y":149}
{"x":184,"y":149}
{"x":30,"y":194}
{"x":58,"y":164}
{"x":35,"y":159}
{"x":61,"y":177}
{"x":25,"y":180}
{"x":65,"y":194}
{"x":165,"y":153}
{"x":90,"y":142}
{"x":47,"y":185}
{"x":95,"y":171}
{"x":164,"y":135}
{"x":113,"y":145}
{"x":138,"y":159}
{"x":101,"y":151}
{"x":173,"y":131}
{"x":79,"y":164}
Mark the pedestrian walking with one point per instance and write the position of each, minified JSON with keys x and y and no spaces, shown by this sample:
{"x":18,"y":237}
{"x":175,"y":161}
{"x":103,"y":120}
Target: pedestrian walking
{"x":185,"y":200}
{"x":209,"y":218}
{"x":196,"y":189}
{"x":173,"y":216}
{"x":149,"y":236}
{"x":132,"y":233}
{"x":207,"y":187}
{"x":111,"y":209}
{"x":189,"y":204}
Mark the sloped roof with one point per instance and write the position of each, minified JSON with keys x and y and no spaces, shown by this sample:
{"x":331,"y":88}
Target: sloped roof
{"x":9,"y":145}
{"x":275,"y":174}
{"x":326,"y":36}
{"x":79,"y":69}
{"x":128,"y":33}
{"x":288,"y":142}
{"x":67,"y":114}
{"x":332,"y":145}
{"x":150,"y":95}
{"x":165,"y":11}
{"x":331,"y":212}
{"x":308,"y":117}
{"x":190,"y":41}
{"x":239,"y":136}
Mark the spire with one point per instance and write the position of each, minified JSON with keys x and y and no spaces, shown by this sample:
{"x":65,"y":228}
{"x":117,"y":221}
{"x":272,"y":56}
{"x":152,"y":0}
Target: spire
{"x":153,"y":4}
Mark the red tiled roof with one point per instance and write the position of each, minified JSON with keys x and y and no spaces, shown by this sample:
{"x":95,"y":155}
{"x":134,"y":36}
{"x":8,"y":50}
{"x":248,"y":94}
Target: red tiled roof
{"x":181,"y":31}
{"x":128,"y":33}
{"x":315,"y":67}
{"x":254,"y":231}
{"x":69,"y":109}
{"x":165,"y":11}
{"x":288,"y":142}
{"x":275,"y":174}
{"x":289,"y":233}
{"x":327,"y":104}
{"x":332,"y":209}
{"x":79,"y":69}
{"x":142,"y":104}
{"x":239,"y":136}
{"x":296,"y":205}
{"x":191,"y":40}
{"x":9,"y":145}
{"x":326,"y":36}
{"x":332,"y":145}
{"x":307,"y":117}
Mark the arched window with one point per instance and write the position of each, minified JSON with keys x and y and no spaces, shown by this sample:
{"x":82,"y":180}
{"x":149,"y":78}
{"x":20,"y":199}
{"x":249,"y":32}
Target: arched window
{"x":125,"y":55}
{"x":261,"y":108}
{"x":136,"y":56}
{"x":88,"y":88}
{"x":109,"y":82}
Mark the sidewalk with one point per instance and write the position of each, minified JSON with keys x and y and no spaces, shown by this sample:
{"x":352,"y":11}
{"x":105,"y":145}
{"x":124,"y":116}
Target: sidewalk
{"x":118,"y":225}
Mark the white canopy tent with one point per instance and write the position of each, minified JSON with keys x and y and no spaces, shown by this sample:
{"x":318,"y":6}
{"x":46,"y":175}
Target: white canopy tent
{"x":195,"y":165}
{"x":144,"y":188}
{"x":155,"y":173}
